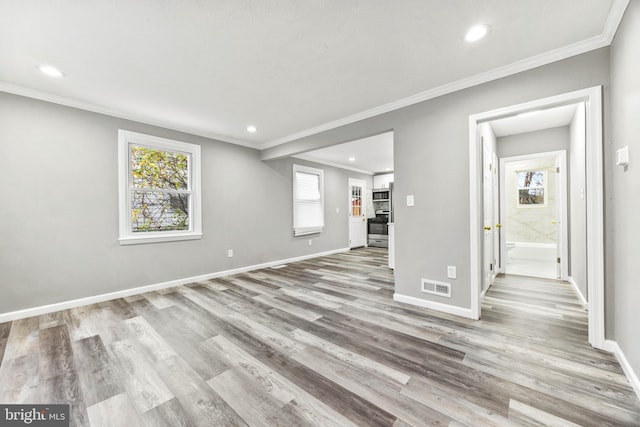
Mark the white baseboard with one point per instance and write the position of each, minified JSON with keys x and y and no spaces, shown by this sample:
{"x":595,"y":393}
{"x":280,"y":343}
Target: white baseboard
{"x":50,"y":308}
{"x":583,"y":300}
{"x":446,"y":308}
{"x":614,"y":348}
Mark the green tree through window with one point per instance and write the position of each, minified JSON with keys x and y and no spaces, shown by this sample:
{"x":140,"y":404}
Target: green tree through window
{"x":160,"y":191}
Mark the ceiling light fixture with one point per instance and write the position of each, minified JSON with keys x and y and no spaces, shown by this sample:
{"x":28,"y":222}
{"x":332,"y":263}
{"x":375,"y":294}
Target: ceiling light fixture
{"x":476,"y":33}
{"x":352,"y":159}
{"x":251,"y":129}
{"x":51,"y":71}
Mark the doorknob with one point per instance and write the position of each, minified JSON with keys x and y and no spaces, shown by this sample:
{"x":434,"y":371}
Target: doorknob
{"x":554,"y":222}
{"x":487,"y":228}
{"x":498,"y":225}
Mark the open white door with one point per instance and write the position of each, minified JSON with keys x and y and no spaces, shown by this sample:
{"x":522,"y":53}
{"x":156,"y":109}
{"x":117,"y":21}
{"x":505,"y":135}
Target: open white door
{"x":562,"y":220}
{"x":487,"y":175}
{"x":497,"y":260}
{"x":357,"y":216}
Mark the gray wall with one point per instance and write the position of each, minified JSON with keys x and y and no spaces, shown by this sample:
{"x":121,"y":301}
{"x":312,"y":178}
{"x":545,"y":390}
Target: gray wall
{"x":59,"y":209}
{"x":577,"y":201}
{"x":431,"y":156}
{"x":541,"y":141}
{"x":623,"y":193}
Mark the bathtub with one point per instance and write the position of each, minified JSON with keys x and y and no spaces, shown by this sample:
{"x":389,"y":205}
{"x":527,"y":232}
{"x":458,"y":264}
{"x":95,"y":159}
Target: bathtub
{"x":531,"y":251}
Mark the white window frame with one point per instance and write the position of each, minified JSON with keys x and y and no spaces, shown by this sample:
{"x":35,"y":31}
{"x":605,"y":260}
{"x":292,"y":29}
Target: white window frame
{"x":544,"y":187}
{"x":304,"y":231}
{"x":125,"y":140}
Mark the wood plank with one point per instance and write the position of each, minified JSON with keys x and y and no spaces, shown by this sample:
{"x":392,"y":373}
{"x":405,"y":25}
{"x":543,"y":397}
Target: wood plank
{"x":203,"y":405}
{"x":294,"y":398}
{"x":532,"y":416}
{"x":255,"y":406}
{"x":23,"y":338}
{"x":117,"y":411}
{"x":349,"y":357}
{"x":19,"y":379}
{"x":170,"y":413}
{"x":141,"y":381}
{"x":381,"y":393}
{"x":56,"y":355}
{"x":99,"y":378}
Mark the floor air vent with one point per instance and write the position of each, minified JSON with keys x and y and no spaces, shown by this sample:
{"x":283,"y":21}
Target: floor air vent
{"x":434,"y":287}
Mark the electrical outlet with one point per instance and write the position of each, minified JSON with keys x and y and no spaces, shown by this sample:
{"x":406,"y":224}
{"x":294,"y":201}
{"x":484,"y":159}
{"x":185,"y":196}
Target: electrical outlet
{"x":451,"y":272}
{"x":230,"y":253}
{"x":310,"y":242}
{"x":338,"y":210}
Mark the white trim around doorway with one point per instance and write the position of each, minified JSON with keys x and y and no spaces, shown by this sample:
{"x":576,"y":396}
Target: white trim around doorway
{"x":594,"y":192}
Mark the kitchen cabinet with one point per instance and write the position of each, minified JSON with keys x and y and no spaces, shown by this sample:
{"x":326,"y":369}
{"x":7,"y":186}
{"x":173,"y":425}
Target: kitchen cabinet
{"x":382,"y":181}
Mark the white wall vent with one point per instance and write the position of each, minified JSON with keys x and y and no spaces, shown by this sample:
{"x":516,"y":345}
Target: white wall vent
{"x":438,"y":288}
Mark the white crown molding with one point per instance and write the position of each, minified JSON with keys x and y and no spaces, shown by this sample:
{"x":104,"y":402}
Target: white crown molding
{"x":36,"y":311}
{"x":616,"y":13}
{"x":612,"y":23}
{"x":82,"y":105}
{"x":329,"y":163}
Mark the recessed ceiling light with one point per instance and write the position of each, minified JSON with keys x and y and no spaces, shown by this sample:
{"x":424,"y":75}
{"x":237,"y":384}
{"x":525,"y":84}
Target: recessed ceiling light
{"x":352,"y":159}
{"x":476,"y":33}
{"x":50,"y":71}
{"x":251,"y":129}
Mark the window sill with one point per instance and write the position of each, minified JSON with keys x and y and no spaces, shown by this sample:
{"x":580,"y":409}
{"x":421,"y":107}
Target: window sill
{"x":157,"y":238}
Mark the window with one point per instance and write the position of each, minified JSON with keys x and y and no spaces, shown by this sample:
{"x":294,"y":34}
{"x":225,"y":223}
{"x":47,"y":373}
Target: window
{"x":532,"y":188}
{"x":308,"y":204}
{"x":159,"y":181}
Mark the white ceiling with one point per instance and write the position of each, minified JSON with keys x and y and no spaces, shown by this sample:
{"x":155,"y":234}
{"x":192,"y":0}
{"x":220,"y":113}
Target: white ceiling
{"x":371,"y":155}
{"x":289,"y":67}
{"x":533,"y":121}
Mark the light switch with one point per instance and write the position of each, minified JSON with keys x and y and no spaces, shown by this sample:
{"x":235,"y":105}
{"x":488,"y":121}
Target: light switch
{"x":451,"y":272}
{"x":410,"y":201}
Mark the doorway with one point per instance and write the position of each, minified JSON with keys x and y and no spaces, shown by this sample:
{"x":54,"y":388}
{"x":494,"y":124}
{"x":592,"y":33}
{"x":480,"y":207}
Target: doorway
{"x":593,"y":195}
{"x":357,"y":213}
{"x":534,"y":216}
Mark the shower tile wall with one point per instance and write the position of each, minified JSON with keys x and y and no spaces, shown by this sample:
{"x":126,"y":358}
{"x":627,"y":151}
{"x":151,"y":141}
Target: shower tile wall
{"x":530,"y":224}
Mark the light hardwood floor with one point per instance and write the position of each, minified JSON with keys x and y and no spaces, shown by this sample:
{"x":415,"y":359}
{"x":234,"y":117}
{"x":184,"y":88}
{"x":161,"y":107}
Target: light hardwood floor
{"x":318,"y":342}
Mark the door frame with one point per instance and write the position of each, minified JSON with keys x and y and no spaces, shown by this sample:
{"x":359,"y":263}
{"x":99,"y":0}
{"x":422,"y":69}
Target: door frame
{"x":363,"y":209}
{"x":563,"y":208}
{"x":592,"y":97}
